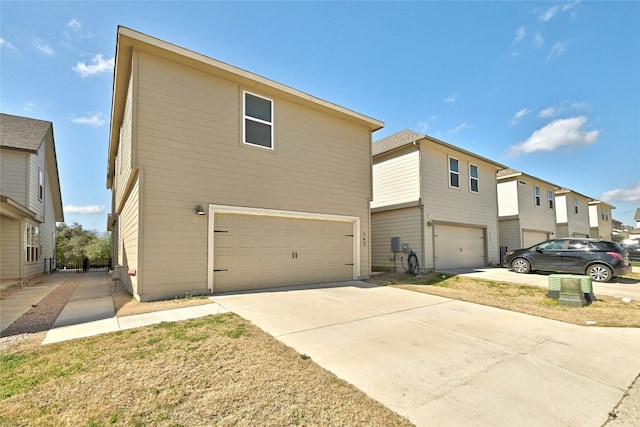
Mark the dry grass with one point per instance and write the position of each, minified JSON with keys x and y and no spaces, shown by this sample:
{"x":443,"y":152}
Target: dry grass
{"x":125,"y":305}
{"x":606,"y":311}
{"x":217,"y":370}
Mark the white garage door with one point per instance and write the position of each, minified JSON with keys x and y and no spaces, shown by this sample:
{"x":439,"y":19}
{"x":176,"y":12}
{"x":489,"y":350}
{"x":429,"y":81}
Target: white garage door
{"x":459,"y":247}
{"x":255,"y":251}
{"x":530,"y":238}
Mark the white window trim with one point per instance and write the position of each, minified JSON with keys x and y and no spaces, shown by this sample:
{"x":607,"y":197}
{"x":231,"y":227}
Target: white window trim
{"x":537,"y":198}
{"x":40,"y":184}
{"x":449,"y":158}
{"x":476,"y":178}
{"x":255,"y":119}
{"x":551,"y":200}
{"x":575,"y":205}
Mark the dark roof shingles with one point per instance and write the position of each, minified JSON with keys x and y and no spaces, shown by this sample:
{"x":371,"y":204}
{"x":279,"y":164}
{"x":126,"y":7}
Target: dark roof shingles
{"x":22,"y":133}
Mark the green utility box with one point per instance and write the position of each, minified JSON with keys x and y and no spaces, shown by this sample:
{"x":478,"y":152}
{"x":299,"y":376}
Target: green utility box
{"x":571,"y":281}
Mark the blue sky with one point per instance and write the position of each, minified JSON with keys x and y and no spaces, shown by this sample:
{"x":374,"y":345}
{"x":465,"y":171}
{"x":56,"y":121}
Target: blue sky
{"x":551,"y":88}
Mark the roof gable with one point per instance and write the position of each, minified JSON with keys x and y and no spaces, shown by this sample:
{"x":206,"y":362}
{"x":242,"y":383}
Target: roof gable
{"x":22,"y":133}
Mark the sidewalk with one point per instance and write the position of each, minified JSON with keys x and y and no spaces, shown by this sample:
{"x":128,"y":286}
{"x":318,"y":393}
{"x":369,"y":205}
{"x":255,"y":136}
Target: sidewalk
{"x":90,"y":309}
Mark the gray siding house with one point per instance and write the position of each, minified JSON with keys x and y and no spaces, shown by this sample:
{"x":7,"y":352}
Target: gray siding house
{"x":438,"y":199}
{"x":30,"y":199}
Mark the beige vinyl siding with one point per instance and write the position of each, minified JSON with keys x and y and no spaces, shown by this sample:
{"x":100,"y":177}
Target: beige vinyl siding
{"x":396,"y":179}
{"x":510,"y":233}
{"x":36,"y":164}
{"x":123,"y":158}
{"x":188,"y":142}
{"x":507,"y":198}
{"x":10,"y":248}
{"x":14,"y":166}
{"x":561,"y":209}
{"x":403,"y":223}
{"x":460,"y":206}
{"x":48,"y":227}
{"x":128,"y":232}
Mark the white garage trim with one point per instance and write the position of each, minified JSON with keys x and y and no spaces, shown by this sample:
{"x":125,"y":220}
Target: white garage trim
{"x":226,"y":209}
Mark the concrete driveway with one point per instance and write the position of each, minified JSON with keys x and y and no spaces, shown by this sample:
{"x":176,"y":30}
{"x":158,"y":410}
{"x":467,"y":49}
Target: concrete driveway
{"x":443,"y":362}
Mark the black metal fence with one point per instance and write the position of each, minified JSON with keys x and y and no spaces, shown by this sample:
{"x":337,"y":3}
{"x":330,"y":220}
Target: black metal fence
{"x":80,"y":264}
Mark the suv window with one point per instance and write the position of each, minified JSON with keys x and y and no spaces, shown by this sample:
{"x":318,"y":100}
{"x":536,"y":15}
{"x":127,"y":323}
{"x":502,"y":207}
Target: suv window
{"x":609,"y":246}
{"x":579,"y":244}
{"x":551,"y":245}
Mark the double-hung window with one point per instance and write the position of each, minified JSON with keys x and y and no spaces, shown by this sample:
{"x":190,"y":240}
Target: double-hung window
{"x":32,"y":240}
{"x":258,"y":121}
{"x":454,"y":172}
{"x":537,"y":195}
{"x":473,"y":178}
{"x":575,"y":205}
{"x":550,"y":198}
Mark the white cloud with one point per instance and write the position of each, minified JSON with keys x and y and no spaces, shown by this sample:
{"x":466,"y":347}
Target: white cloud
{"x":460,"y":127}
{"x":84,"y":210}
{"x":623,"y":195}
{"x":520,"y":33}
{"x":547,"y":112}
{"x":570,"y":5}
{"x":563,"y":107}
{"x":6,"y":44}
{"x":43,"y":46}
{"x":546,"y":15}
{"x":557,"y":49}
{"x":538,"y":40}
{"x":519,"y":114}
{"x":98,"y":65}
{"x":451,"y":98}
{"x":95,"y":119}
{"x":74,"y":25}
{"x":557,"y":134}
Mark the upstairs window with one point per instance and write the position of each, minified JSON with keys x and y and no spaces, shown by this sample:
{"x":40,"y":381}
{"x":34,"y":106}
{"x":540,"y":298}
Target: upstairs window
{"x":473,"y":178}
{"x":454,"y":172}
{"x":258,"y":121}
{"x":550,"y":199}
{"x":40,"y":184}
{"x":537,"y":200}
{"x":575,"y":205}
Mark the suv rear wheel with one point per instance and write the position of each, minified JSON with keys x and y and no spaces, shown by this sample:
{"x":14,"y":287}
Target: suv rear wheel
{"x":520,"y":265}
{"x":599,"y":273}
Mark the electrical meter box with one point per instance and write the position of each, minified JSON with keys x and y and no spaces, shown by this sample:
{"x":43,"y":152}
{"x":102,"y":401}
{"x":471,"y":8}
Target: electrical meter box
{"x":395,"y":244}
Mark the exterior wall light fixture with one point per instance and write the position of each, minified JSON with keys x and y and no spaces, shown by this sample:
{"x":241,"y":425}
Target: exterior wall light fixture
{"x":199,"y":210}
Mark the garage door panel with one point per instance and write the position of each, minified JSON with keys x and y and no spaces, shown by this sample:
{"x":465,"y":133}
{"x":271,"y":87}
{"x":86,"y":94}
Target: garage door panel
{"x":263,"y":251}
{"x":459,"y":247}
{"x":530,"y":238}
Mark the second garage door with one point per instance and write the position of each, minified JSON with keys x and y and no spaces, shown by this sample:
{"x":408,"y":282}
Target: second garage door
{"x":459,"y":247}
{"x":259,"y":251}
{"x":530,"y":237}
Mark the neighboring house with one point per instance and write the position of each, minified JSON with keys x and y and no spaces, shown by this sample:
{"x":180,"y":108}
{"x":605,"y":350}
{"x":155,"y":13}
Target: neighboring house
{"x":526,"y":209}
{"x":572,"y":214}
{"x":438,"y":199}
{"x":30,"y":199}
{"x":600,"y":219}
{"x":223,"y":180}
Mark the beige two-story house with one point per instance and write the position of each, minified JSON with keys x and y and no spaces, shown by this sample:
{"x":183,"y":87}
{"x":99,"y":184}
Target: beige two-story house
{"x":572,"y":214}
{"x":30,"y":198}
{"x":526,"y":209}
{"x":223,"y":180}
{"x":434,"y":199}
{"x":600,"y":219}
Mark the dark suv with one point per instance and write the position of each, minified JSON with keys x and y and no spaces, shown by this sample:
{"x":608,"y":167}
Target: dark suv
{"x":600,"y":259}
